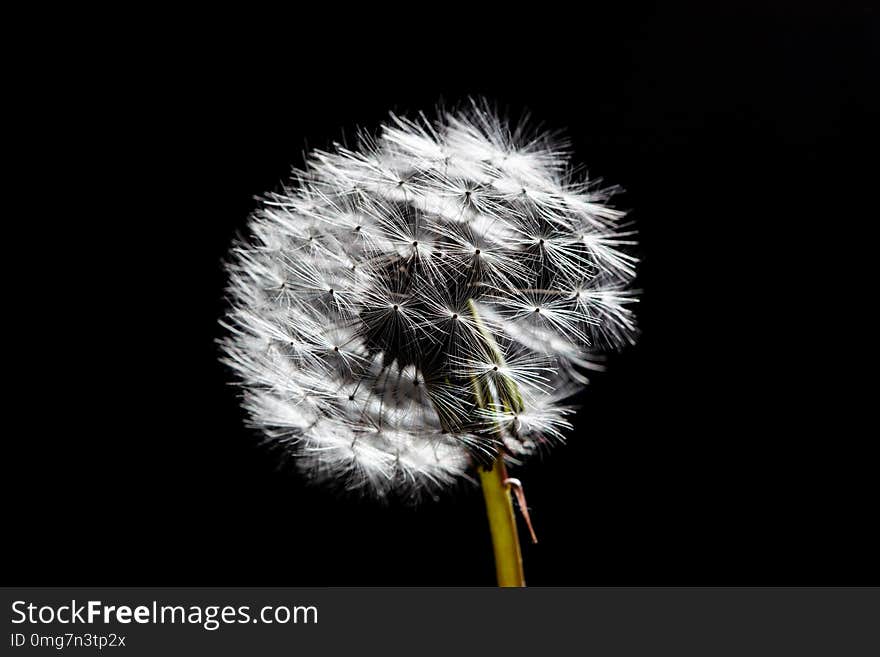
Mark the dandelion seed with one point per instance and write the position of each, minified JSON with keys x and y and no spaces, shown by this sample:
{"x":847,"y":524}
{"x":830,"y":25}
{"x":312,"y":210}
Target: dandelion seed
{"x":405,"y":311}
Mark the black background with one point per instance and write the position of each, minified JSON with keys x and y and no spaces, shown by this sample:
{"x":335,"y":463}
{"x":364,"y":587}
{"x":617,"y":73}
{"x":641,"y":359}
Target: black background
{"x":720,"y":450}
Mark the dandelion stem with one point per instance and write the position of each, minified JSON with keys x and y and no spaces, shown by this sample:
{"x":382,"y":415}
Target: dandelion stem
{"x":502,"y":525}
{"x":496,"y":490}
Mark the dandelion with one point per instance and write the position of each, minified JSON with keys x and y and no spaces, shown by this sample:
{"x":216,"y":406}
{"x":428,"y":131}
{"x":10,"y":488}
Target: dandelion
{"x":415,"y":312}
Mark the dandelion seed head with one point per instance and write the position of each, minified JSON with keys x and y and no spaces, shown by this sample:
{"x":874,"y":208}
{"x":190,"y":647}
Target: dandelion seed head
{"x":403,"y":311}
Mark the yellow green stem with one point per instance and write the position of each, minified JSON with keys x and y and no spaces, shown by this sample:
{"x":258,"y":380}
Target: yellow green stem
{"x":502,"y":525}
{"x":496,"y":491}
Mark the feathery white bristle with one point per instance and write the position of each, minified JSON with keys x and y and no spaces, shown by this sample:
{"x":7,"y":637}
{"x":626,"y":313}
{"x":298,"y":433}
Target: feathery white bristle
{"x":403,"y":311}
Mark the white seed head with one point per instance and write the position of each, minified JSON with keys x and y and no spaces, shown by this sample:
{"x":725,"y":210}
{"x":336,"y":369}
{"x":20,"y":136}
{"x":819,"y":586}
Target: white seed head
{"x":402,"y":312}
